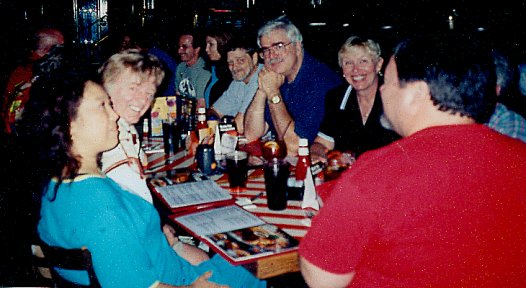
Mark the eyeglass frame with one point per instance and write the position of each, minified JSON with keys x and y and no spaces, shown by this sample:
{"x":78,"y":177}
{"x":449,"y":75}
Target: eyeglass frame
{"x":276,"y":48}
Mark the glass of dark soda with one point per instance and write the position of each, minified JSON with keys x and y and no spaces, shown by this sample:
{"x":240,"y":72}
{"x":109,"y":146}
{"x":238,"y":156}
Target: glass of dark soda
{"x":237,"y":170}
{"x":276,"y":175}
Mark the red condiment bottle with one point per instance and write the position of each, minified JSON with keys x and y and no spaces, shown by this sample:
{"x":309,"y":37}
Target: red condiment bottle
{"x":303,"y":164}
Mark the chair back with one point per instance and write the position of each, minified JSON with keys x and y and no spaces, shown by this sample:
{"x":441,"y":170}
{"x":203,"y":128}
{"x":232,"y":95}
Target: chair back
{"x":69,"y":259}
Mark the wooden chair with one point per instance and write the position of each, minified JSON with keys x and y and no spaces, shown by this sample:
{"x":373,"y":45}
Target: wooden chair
{"x":70,"y":259}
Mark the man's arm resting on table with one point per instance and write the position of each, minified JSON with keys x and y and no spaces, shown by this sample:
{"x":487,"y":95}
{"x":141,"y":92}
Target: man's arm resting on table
{"x":317,"y":277}
{"x":254,"y":123}
{"x":213,"y":112}
{"x":280,"y":116}
{"x":283,"y":123}
{"x":240,"y":118}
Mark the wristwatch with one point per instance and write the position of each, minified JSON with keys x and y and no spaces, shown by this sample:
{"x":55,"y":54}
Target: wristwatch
{"x":275,"y":99}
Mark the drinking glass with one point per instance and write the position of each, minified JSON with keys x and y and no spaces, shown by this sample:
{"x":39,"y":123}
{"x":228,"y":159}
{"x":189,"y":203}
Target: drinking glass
{"x":277,"y":173}
{"x":237,"y":169}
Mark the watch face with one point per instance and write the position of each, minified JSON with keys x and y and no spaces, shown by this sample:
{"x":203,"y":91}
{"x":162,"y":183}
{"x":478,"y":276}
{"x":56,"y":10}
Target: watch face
{"x":276,"y":99}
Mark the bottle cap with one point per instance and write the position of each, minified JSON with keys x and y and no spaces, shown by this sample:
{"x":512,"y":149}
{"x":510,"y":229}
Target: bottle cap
{"x":303,"y":142}
{"x":303,"y":151}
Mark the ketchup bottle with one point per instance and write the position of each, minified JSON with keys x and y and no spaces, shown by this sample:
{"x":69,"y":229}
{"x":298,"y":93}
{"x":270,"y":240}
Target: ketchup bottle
{"x":303,"y":164}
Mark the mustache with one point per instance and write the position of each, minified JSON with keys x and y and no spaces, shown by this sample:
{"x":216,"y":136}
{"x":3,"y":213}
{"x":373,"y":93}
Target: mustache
{"x":274,"y":60}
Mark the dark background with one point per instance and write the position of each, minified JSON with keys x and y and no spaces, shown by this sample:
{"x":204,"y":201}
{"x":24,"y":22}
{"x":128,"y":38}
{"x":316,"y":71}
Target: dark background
{"x":503,"y":21}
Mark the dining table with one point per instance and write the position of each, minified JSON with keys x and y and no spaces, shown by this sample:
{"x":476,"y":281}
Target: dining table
{"x":294,"y":220}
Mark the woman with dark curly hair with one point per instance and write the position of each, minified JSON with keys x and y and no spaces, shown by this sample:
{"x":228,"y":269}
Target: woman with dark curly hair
{"x":83,"y":207}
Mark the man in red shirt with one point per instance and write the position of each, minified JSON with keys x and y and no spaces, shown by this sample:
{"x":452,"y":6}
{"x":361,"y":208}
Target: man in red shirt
{"x":442,"y":207}
{"x":20,"y":80}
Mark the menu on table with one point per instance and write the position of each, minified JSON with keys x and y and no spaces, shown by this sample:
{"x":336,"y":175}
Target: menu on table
{"x":238,"y":235}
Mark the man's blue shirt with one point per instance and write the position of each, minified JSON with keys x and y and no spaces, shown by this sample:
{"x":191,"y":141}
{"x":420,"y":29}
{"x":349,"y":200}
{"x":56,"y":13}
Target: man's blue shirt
{"x":305,"y":96}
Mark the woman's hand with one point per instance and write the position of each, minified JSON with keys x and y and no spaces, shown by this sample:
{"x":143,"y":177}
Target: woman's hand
{"x":169,"y":232}
{"x":189,"y":252}
{"x":202,"y":282}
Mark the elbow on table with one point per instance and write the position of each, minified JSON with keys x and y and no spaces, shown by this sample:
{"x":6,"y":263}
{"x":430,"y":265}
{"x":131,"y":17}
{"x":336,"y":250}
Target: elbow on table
{"x":252,"y":132}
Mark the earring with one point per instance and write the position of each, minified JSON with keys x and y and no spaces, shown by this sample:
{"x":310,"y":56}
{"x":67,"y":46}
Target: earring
{"x":380,"y":73}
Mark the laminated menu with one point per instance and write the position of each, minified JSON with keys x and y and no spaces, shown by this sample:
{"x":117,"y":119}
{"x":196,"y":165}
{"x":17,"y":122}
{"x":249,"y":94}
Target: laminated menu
{"x":238,"y":235}
{"x":191,"y":196}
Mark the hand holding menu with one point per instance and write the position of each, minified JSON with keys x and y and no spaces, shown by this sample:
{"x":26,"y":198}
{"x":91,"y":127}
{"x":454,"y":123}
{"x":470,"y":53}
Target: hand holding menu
{"x":193,"y":193}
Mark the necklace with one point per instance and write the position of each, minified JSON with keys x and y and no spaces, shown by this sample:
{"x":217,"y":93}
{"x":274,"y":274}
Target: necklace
{"x":365,"y":108}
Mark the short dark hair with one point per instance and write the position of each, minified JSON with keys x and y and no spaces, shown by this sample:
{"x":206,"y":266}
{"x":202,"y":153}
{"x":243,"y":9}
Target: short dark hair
{"x":457,"y":68}
{"x":198,"y":40}
{"x":242,"y":42}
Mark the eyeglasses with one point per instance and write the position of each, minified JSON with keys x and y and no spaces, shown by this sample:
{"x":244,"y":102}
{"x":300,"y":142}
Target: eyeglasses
{"x":276,"y":48}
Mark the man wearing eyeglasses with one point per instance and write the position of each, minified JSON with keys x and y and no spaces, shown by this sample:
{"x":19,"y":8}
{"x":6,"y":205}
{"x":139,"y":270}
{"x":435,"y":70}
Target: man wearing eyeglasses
{"x":289,"y":101}
{"x":191,"y":76}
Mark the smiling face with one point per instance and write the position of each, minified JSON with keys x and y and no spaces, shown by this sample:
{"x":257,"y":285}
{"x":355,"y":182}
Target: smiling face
{"x":241,"y":64}
{"x":211,"y":49}
{"x":131,"y":94}
{"x":94,"y":128}
{"x":285,"y":61}
{"x":186,"y":50}
{"x":360,"y":68}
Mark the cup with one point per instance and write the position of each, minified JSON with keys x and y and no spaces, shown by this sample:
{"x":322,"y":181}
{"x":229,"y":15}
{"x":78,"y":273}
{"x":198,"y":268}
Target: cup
{"x":273,"y":149}
{"x":237,"y":169}
{"x":170,"y":137}
{"x":205,"y":158}
{"x":277,"y":173}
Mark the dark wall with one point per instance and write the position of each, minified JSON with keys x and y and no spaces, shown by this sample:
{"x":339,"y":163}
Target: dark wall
{"x":504,"y":21}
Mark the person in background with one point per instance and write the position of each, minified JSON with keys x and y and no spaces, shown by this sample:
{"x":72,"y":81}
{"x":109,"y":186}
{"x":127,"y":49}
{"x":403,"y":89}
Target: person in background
{"x":442,"y":207}
{"x":220,"y":79}
{"x":290,"y":100}
{"x":242,"y":59}
{"x":125,"y":41}
{"x":191,"y":76}
{"x":522,"y":78}
{"x":18,"y":85}
{"x":131,"y":78}
{"x":353,"y":110}
{"x":505,"y":120}
{"x":120,"y":229}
